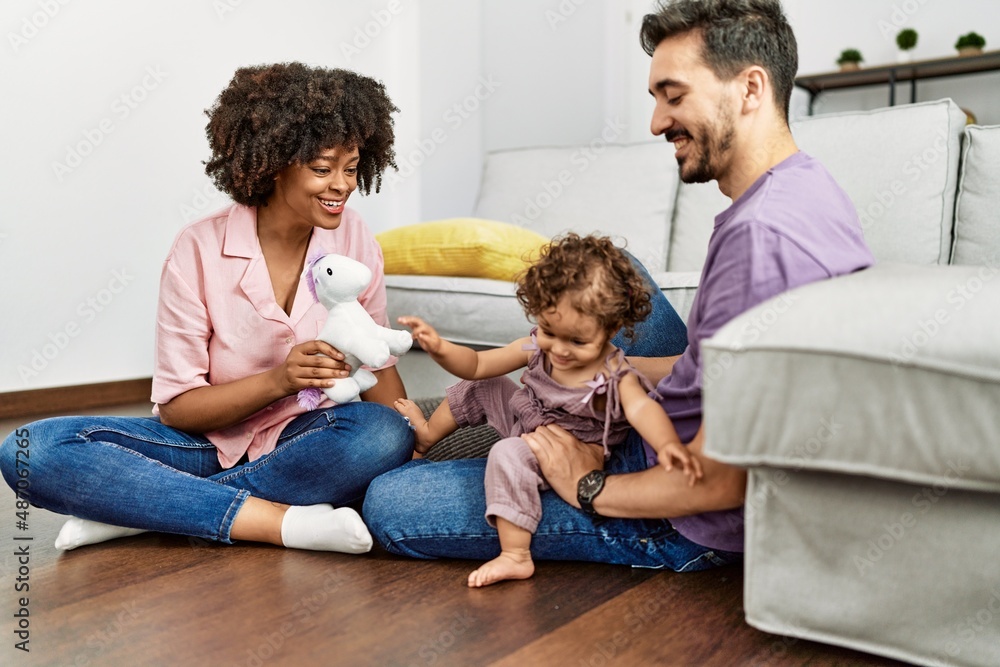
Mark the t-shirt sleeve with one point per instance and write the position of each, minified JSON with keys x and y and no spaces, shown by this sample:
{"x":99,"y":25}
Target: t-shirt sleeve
{"x":755,"y":265}
{"x":183,"y":330}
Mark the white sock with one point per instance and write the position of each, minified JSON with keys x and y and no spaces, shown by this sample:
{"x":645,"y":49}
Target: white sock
{"x":78,"y":532}
{"x":323,"y":528}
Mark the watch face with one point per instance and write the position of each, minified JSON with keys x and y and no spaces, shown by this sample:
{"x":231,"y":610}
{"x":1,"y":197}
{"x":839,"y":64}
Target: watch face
{"x":591,"y":484}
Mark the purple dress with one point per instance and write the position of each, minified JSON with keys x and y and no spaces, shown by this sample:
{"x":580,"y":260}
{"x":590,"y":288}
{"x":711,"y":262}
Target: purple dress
{"x":513,"y":478}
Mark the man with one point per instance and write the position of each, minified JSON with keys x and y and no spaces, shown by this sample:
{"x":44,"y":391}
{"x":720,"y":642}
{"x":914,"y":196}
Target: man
{"x":721,"y":75}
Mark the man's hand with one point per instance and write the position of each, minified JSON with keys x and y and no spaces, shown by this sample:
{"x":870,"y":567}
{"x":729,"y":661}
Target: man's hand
{"x":563,"y":459}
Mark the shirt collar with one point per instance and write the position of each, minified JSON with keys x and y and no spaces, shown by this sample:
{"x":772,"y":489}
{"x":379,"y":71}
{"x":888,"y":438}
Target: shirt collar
{"x":241,"y":232}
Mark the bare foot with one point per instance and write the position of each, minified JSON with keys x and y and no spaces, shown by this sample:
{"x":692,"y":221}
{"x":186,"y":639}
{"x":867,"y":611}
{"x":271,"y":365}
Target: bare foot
{"x":508,"y":565}
{"x":421,"y":426}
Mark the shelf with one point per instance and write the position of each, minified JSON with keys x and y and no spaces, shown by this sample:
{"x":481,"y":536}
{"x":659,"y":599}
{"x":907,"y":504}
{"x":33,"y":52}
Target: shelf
{"x":899,"y":72}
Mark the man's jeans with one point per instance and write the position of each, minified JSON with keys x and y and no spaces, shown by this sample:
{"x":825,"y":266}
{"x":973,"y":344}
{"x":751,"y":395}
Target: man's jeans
{"x":437,"y":510}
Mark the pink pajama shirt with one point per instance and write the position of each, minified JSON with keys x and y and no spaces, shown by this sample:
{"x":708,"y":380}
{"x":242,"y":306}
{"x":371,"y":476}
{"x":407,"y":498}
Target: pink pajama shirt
{"x":218,"y":320}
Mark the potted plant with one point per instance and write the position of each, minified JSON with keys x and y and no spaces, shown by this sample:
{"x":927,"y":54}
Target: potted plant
{"x":906,"y":40}
{"x":849,"y":60}
{"x":971,"y":44}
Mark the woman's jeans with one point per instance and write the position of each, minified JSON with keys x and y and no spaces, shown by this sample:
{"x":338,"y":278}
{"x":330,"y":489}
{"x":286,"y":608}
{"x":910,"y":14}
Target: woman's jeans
{"x":437,"y":510}
{"x":138,"y":473}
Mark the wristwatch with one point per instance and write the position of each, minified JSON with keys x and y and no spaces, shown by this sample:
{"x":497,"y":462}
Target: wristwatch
{"x":587,"y":489}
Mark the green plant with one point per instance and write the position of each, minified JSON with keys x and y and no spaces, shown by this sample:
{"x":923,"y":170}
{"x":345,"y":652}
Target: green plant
{"x":906,"y":39}
{"x":973,"y":39}
{"x":850,"y":56}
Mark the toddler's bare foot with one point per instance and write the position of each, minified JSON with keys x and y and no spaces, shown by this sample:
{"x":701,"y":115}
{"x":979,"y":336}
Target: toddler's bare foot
{"x":421,"y":427}
{"x":513,"y":564}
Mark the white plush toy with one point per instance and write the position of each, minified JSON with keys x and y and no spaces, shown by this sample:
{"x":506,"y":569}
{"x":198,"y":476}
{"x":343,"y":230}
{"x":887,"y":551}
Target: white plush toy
{"x":336,"y":281}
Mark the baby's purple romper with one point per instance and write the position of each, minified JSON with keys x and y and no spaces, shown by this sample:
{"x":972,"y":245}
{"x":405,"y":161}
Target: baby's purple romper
{"x":513,"y":478}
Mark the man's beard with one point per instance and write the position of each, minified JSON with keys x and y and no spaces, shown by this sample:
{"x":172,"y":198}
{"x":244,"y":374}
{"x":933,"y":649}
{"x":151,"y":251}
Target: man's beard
{"x":715,"y":142}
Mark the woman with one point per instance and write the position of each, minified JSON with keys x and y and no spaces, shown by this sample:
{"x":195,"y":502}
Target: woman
{"x":232,"y":456}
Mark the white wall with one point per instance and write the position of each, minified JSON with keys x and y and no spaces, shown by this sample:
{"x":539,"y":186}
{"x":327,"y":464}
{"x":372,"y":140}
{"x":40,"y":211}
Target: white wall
{"x":80,"y":251}
{"x":824,"y":29}
{"x":114,"y":91}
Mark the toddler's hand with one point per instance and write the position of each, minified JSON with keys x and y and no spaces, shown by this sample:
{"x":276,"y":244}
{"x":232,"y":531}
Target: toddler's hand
{"x":688,"y":462}
{"x":423,"y":333}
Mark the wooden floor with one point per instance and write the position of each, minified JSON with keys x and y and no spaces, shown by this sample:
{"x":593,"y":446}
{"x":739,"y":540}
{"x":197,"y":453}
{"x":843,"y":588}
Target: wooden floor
{"x":170,"y":600}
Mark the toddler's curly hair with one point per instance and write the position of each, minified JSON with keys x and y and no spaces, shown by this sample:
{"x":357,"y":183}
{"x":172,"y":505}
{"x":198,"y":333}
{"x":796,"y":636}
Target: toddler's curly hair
{"x":272,"y":116}
{"x":598,"y":277}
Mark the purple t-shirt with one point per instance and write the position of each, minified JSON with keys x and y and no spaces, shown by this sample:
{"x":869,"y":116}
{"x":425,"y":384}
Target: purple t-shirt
{"x":793,"y":226}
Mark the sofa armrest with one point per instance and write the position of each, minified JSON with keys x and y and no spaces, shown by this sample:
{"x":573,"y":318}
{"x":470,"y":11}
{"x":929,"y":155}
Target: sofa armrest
{"x":890,"y":372}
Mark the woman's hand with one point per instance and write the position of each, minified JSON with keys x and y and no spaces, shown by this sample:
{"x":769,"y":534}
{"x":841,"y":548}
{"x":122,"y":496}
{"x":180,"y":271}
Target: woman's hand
{"x":423,"y":333}
{"x":313,"y":364}
{"x":563,"y":459}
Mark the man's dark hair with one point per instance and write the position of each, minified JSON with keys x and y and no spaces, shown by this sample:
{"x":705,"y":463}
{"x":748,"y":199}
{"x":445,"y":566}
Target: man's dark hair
{"x":735,"y":35}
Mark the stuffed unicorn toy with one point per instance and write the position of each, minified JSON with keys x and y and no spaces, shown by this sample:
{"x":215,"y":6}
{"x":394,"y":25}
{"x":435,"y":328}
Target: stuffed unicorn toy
{"x":336,"y":281}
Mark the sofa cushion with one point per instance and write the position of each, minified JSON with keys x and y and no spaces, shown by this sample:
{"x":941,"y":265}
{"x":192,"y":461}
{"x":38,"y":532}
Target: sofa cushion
{"x":977,"y":211}
{"x":694,"y":219}
{"x":477,"y":311}
{"x":624,"y":190}
{"x":899,"y":165}
{"x":470,"y":311}
{"x":467,"y":247}
{"x":890,"y":372}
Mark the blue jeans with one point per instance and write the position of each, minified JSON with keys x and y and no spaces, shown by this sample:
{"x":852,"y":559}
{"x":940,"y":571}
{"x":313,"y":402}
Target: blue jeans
{"x":662,"y":334}
{"x":437,"y":510}
{"x":138,"y":473}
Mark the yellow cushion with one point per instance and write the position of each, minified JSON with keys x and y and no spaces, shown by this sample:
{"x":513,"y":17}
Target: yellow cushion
{"x":467,"y":247}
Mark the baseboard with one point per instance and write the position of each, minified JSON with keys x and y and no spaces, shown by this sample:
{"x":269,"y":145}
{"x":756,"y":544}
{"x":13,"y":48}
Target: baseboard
{"x":70,"y":399}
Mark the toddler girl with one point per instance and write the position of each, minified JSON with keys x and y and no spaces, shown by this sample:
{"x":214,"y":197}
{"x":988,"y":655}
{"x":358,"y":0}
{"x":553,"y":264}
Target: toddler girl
{"x":580,"y":292}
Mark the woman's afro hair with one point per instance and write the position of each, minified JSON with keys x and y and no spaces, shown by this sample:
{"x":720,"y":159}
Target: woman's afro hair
{"x":272,"y":116}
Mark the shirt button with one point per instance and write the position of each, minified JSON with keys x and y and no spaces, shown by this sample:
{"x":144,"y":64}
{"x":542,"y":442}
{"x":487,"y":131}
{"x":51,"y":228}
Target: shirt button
{"x":288,"y":341}
{"x":249,"y":436}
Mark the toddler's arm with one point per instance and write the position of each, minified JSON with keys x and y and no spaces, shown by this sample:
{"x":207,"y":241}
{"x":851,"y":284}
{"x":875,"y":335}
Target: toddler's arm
{"x":648,"y":418}
{"x":465,"y":362}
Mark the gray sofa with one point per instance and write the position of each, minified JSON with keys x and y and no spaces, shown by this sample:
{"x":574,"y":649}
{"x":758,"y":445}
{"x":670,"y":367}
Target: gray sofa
{"x":872,"y":437}
{"x":866,"y":408}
